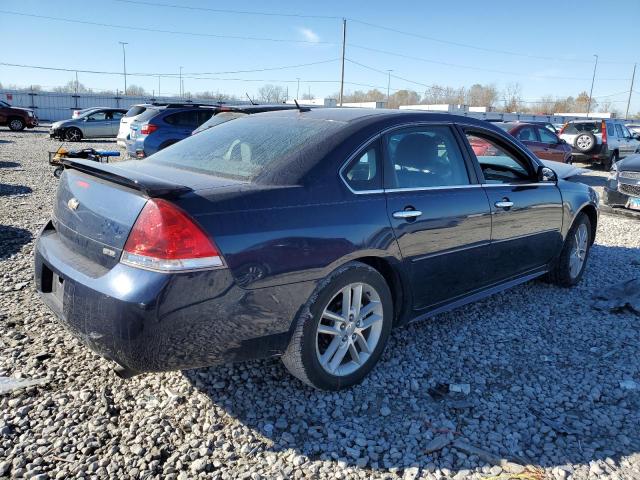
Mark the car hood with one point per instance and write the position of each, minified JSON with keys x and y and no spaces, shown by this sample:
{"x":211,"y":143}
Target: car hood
{"x":630,"y":163}
{"x":23,"y":109}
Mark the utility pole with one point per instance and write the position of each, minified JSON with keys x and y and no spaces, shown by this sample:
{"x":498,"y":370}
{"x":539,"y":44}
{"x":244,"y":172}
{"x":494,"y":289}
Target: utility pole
{"x":388,"y":86}
{"x":181,"y":82}
{"x":124,"y":65}
{"x":344,"y":41}
{"x":76,"y":83}
{"x":159,"y":86}
{"x":633,"y":76}
{"x":592,"y":81}
{"x":298,"y":89}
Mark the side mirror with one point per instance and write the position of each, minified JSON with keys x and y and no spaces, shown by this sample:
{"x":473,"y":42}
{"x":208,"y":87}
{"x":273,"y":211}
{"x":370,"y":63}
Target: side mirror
{"x":562,"y":140}
{"x":545,"y":174}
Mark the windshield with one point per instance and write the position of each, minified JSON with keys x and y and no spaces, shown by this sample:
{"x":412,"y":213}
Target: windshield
{"x":4,"y":104}
{"x":246,"y":147}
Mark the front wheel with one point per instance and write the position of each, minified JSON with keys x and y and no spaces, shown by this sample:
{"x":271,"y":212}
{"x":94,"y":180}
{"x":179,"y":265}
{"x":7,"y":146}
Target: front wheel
{"x":341,"y":335}
{"x":16,"y":124}
{"x":570,"y":266}
{"x":73,"y":135}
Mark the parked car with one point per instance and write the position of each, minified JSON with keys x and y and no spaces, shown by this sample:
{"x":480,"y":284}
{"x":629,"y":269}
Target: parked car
{"x":101,"y":123}
{"x":634,"y":128}
{"x":77,"y":113}
{"x":548,"y":125}
{"x":231,"y":112}
{"x":599,"y":141}
{"x":278,"y":234}
{"x":623,"y":185}
{"x":128,"y":118}
{"x":161,"y":126}
{"x":539,"y":139}
{"x":15,"y":118}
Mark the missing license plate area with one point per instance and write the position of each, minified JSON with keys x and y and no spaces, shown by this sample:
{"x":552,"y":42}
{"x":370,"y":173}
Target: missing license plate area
{"x":53,"y":284}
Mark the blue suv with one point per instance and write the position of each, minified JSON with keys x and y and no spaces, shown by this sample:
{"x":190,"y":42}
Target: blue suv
{"x":163,"y":125}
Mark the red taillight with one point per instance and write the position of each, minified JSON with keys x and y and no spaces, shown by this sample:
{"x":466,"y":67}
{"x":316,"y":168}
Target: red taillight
{"x":604,"y":132}
{"x":165,"y":238}
{"x":148,"y":128}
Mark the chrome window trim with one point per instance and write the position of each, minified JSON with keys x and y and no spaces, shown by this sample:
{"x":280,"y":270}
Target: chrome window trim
{"x":444,"y":187}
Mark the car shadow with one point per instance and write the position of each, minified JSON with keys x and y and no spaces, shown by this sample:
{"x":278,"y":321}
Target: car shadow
{"x":6,"y":141}
{"x":544,"y":372}
{"x":11,"y":190}
{"x":4,"y":164}
{"x":12,"y":240}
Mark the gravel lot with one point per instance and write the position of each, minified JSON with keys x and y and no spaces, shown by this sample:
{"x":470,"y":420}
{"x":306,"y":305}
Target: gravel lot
{"x":544,"y":370}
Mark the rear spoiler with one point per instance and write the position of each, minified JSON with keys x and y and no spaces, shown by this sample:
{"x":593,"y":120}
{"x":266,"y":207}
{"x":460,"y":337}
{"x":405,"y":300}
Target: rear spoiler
{"x":150,"y":186}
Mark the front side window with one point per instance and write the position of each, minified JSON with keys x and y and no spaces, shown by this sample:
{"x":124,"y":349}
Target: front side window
{"x":625,"y":132}
{"x":547,"y":137}
{"x":498,"y":163}
{"x":425,"y":157}
{"x":97,"y":117}
{"x":364,"y":172}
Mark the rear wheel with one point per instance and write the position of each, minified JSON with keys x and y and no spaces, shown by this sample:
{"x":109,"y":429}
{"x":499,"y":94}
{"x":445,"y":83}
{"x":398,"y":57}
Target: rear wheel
{"x":16,"y":124}
{"x":342,"y":334}
{"x":73,"y":135}
{"x":570,"y":266}
{"x":610,"y":161}
{"x":58,"y":172}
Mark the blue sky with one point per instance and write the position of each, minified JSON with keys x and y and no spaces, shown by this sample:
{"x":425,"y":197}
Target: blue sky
{"x":554,"y":46}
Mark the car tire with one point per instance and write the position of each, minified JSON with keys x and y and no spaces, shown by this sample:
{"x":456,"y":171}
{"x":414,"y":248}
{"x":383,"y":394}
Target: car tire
{"x":570,"y":266}
{"x":321,"y":350}
{"x":58,"y":172}
{"x":585,"y":142}
{"x":73,"y":134}
{"x":610,"y":161}
{"x":16,"y":124}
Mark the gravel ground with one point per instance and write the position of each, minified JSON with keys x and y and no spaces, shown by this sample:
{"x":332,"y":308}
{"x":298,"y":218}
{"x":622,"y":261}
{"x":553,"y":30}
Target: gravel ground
{"x":544,"y":370}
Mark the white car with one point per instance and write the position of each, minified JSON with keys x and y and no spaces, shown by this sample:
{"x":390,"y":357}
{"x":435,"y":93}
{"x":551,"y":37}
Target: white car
{"x":127,"y":120}
{"x":603,"y":141}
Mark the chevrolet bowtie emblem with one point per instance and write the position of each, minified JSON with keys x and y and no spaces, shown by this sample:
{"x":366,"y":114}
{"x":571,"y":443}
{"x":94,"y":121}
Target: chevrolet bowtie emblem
{"x":73,"y":204}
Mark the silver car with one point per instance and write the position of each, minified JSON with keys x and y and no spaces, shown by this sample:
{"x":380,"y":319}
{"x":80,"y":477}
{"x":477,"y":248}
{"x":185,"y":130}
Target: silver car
{"x":101,"y":123}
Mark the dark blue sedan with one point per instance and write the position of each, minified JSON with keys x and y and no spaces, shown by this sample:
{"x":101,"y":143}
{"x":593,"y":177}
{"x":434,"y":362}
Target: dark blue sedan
{"x":302,"y":234}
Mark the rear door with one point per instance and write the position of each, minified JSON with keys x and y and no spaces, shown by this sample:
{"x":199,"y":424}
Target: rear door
{"x":439,"y":212}
{"x":526,"y":213}
{"x":115,"y":123}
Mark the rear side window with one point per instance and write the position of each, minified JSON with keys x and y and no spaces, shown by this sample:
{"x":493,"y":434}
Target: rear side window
{"x":204,"y":115}
{"x":135,"y":110}
{"x":611,"y":129}
{"x":247,"y":147}
{"x":187,"y":118}
{"x":579,"y":127}
{"x":364,"y":172}
{"x":619,"y":130}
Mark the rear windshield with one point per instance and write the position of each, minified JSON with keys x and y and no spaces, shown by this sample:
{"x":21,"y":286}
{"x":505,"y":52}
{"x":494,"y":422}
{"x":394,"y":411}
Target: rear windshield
{"x":246,"y":147}
{"x":593,"y":127}
{"x":147,"y":114}
{"x":135,"y":110}
{"x":222,"y":117}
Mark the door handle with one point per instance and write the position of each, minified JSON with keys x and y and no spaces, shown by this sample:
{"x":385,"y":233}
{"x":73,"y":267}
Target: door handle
{"x":505,"y":203}
{"x":407,"y":214}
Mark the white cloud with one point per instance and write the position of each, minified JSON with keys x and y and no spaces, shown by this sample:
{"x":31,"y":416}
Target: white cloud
{"x":309,"y":35}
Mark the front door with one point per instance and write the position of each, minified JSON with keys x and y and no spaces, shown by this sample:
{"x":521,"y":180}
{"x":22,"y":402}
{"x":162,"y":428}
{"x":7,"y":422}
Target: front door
{"x":97,"y":125}
{"x":526,"y":214}
{"x":439,"y":213}
{"x":552,"y":148}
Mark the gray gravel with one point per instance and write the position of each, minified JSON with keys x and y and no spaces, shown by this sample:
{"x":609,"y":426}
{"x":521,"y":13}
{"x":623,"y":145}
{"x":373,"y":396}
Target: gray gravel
{"x":554,"y":384}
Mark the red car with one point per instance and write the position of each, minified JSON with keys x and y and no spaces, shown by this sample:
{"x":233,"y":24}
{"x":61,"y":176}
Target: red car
{"x":539,"y":139}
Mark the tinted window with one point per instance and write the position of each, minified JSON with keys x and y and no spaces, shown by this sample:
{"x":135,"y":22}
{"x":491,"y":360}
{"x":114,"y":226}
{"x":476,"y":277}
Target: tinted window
{"x":574,"y":128}
{"x":148,"y":114}
{"x":527,"y":134}
{"x":204,"y":115}
{"x":426,"y":157}
{"x":498,"y":163}
{"x":619,"y":130}
{"x":135,"y":110}
{"x":187,"y":118}
{"x":364,"y":172}
{"x":246,"y":147}
{"x":4,"y":104}
{"x":547,"y":137}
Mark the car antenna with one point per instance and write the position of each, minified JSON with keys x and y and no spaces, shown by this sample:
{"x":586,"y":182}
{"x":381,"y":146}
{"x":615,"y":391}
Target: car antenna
{"x":252,"y":102}
{"x":302,"y":109}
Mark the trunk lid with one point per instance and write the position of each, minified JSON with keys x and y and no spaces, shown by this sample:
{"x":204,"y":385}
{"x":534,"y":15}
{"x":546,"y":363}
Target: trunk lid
{"x":97,"y":204}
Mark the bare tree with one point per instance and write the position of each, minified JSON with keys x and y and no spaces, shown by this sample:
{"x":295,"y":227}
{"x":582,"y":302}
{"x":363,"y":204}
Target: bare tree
{"x":482,"y":95}
{"x":512,"y":98}
{"x":272,"y":94}
{"x":136,"y":91}
{"x":403,"y":97}
{"x":71,"y":87}
{"x":582,"y":103}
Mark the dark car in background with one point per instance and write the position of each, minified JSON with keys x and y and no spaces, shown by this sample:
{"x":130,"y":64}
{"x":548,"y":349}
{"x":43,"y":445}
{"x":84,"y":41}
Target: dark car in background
{"x":623,"y":185}
{"x":17,"y":119}
{"x":160,"y":126}
{"x":302,"y":234}
{"x":539,"y":138}
{"x":231,"y":112}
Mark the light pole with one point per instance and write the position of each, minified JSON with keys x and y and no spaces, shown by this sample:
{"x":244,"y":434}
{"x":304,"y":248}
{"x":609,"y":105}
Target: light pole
{"x":180,"y":81}
{"x":595,"y":66}
{"x":388,"y":86}
{"x":298,"y":89}
{"x":124,"y":64}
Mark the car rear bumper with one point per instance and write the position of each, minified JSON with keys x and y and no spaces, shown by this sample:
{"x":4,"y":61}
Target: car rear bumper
{"x":149,"y":321}
{"x":598,"y":154}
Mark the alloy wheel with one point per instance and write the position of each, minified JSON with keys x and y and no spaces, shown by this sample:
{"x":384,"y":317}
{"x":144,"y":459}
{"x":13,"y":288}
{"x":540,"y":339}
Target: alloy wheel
{"x":583,"y":142}
{"x":15,"y":124}
{"x":578,"y":251}
{"x":73,"y":135}
{"x":349,"y":329}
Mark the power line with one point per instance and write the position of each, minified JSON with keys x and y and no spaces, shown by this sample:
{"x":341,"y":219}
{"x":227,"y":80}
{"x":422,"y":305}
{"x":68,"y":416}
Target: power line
{"x":173,"y":32}
{"x":220,"y":10}
{"x":474,"y":47}
{"x":469,"y":67}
